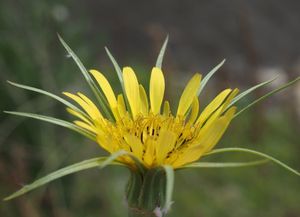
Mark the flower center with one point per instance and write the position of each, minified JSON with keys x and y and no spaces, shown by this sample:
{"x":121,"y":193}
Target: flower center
{"x":148,"y":136}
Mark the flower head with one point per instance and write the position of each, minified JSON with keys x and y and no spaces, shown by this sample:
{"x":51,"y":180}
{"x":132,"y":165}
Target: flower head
{"x":141,"y":132}
{"x":144,"y":125}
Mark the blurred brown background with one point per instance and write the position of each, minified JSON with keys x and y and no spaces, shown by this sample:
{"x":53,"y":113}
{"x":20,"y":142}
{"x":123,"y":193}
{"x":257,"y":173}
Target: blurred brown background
{"x":259,"y":39}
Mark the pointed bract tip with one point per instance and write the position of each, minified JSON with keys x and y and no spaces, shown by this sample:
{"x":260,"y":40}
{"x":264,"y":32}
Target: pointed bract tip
{"x":167,"y":37}
{"x":13,"y":83}
{"x":58,"y":35}
{"x":108,"y":52}
{"x":7,"y":198}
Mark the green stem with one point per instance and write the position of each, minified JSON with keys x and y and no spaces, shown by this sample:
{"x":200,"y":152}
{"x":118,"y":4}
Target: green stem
{"x":146,"y":193}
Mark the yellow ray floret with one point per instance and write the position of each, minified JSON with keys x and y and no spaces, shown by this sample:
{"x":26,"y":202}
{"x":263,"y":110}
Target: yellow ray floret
{"x":144,"y":101}
{"x":153,"y":135}
{"x":188,"y":95}
{"x":106,"y":88}
{"x":157,"y":89}
{"x":132,"y":90}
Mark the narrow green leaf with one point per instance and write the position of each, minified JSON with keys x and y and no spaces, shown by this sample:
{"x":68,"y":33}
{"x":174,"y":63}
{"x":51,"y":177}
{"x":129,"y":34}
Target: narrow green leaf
{"x":248,"y":91}
{"x":55,"y":121}
{"x":169,"y":186}
{"x":208,"y":76}
{"x":87,"y":164}
{"x":267,"y":95}
{"x":162,"y":53}
{"x":117,"y":68}
{"x":99,"y":95}
{"x":222,"y":150}
{"x":84,"y":165}
{"x":81,"y":66}
{"x":37,"y":90}
{"x":113,"y":157}
{"x":224,"y":164}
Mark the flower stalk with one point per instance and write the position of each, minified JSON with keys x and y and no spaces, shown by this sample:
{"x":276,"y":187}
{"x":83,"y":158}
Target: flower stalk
{"x":146,"y":193}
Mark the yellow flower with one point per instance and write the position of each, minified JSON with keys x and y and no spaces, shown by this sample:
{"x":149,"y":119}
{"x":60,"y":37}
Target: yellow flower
{"x":144,"y":125}
{"x":137,"y":128}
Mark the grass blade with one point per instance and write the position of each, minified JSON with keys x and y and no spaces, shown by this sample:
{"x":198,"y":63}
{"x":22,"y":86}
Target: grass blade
{"x":278,"y":162}
{"x":208,"y":76}
{"x":224,"y":164}
{"x":56,"y":121}
{"x":84,"y":165}
{"x":37,"y":90}
{"x":99,"y":95}
{"x":267,"y":95}
{"x":169,"y":186}
{"x":162,"y":53}
{"x":248,"y":91}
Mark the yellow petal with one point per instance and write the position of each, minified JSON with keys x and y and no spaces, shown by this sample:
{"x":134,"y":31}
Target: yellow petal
{"x":121,"y":106}
{"x":207,"y":141}
{"x":94,"y":114}
{"x":157,"y":89}
{"x":224,"y":120}
{"x":188,"y":95}
{"x":106,"y":88}
{"x":87,"y":100}
{"x":135,"y":145}
{"x":144,"y":101}
{"x":164,"y":144}
{"x":210,"y":137}
{"x":86,"y":126}
{"x":91,"y":104}
{"x":106,"y":142}
{"x":212,"y":118}
{"x":149,"y":156}
{"x":167,"y":110}
{"x":213,"y":106}
{"x":77,"y":114}
{"x":194,"y":111}
{"x":230,"y":98}
{"x":216,"y":114}
{"x":132,"y":90}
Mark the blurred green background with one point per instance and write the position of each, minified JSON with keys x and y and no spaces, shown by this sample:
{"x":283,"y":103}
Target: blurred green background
{"x":259,"y":39}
